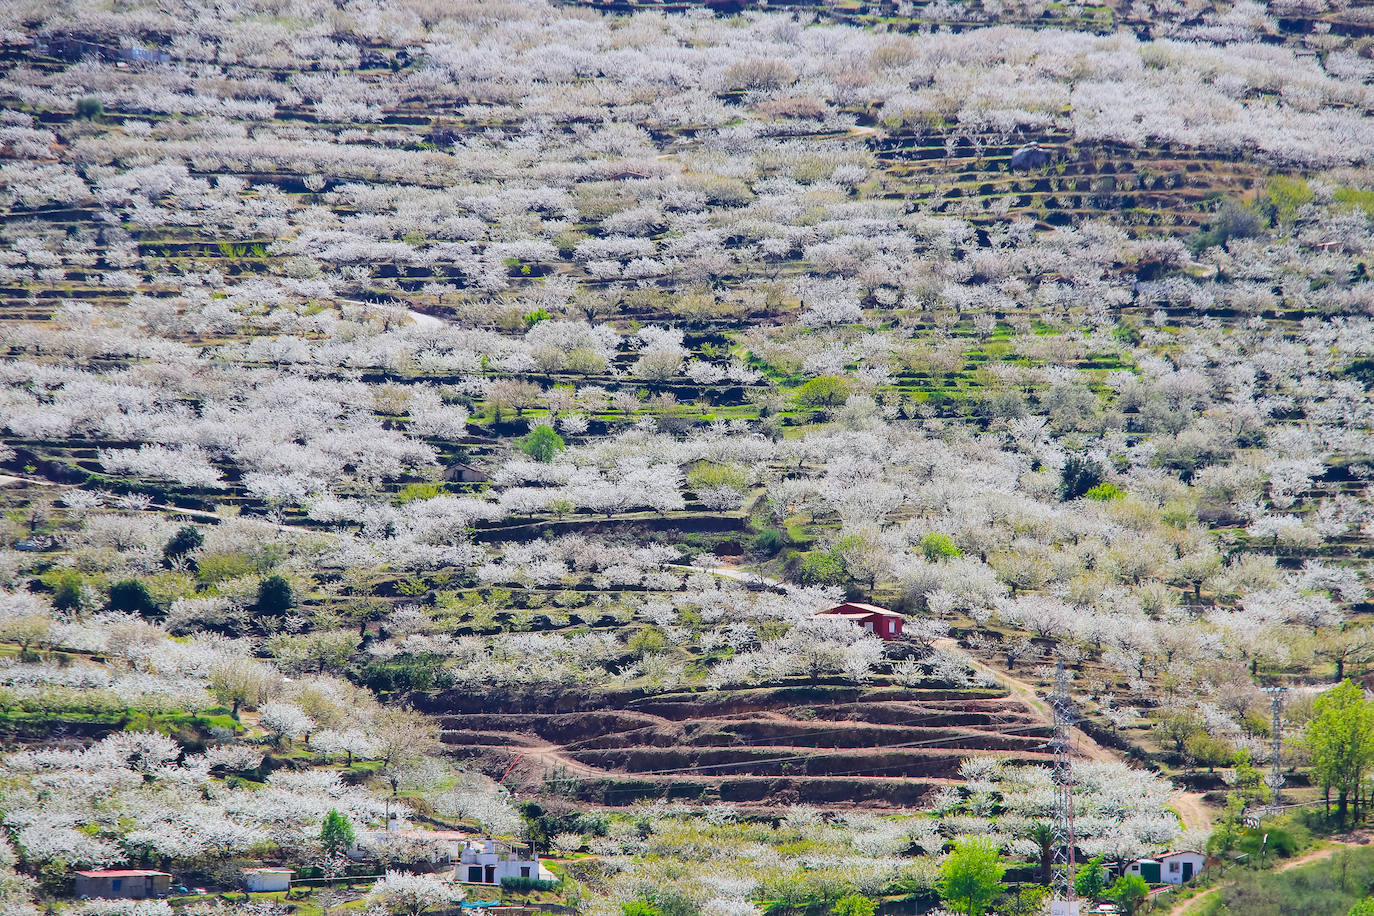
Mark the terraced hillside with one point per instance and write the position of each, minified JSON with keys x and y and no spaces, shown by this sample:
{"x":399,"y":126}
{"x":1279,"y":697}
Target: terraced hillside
{"x":824,"y":745}
{"x":546,"y":367}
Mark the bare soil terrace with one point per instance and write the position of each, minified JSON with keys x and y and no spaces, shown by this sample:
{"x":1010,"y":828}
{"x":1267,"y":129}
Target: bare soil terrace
{"x":819,"y":744}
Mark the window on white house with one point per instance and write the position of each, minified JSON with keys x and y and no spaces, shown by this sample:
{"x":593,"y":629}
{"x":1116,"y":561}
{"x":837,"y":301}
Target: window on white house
{"x":1173,"y":867}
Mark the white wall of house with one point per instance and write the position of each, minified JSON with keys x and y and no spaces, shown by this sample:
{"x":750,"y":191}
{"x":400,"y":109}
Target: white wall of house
{"x":1171,"y":867}
{"x":486,"y":862}
{"x":273,"y":880}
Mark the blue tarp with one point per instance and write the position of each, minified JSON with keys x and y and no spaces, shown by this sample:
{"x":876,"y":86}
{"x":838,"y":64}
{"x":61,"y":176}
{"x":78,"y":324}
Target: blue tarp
{"x":473,"y":904}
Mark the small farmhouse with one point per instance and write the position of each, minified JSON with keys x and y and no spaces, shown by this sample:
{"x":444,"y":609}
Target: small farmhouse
{"x":879,"y":621}
{"x":1169,"y":868}
{"x":267,"y":879}
{"x":484,"y":861}
{"x":133,"y":883}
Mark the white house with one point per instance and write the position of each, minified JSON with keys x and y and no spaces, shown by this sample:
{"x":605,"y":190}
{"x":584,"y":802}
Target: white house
{"x":267,"y":879}
{"x":484,"y":861}
{"x":1169,"y":868}
{"x":475,"y":860}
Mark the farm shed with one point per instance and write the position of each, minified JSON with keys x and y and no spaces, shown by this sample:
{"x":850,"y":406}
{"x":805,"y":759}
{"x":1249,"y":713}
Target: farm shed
{"x":134,"y":883}
{"x":267,"y":879}
{"x":879,"y":621}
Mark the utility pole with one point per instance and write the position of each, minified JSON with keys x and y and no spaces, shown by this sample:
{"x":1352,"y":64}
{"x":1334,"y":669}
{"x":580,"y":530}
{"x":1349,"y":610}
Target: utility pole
{"x":1276,"y":736}
{"x":1062,"y":902}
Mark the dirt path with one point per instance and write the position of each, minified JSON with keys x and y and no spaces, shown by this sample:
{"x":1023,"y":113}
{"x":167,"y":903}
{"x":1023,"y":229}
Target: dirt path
{"x":1191,"y":810}
{"x":545,"y":757}
{"x":737,"y":575}
{"x":1193,"y":904}
{"x":1026,"y":693}
{"x":1356,"y":838}
{"x":428,"y":322}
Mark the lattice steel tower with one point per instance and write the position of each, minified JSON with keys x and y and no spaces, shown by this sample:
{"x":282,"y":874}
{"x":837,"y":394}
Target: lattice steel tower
{"x":1276,"y":736}
{"x":1062,"y":901}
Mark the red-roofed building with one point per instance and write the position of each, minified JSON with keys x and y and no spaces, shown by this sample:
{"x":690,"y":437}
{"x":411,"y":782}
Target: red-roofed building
{"x":879,"y":621}
{"x":134,"y":883}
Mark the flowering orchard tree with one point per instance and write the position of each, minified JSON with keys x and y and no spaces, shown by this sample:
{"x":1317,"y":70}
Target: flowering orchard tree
{"x":402,"y":894}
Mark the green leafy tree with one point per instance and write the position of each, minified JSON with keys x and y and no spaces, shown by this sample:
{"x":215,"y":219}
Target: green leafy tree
{"x":89,"y":108}
{"x":823,"y":567}
{"x":824,"y":391}
{"x":542,"y":444}
{"x":854,"y":905}
{"x":971,"y":878}
{"x":1177,"y":728}
{"x":1340,"y":737}
{"x":1091,"y":879}
{"x":937,"y":546}
{"x":26,"y":631}
{"x":1026,"y":900}
{"x":1364,"y":908}
{"x":1249,"y":779}
{"x":1227,"y":831}
{"x":336,"y":833}
{"x":1208,"y":750}
{"x":1128,"y":893}
{"x":1284,"y":197}
{"x":275,"y":596}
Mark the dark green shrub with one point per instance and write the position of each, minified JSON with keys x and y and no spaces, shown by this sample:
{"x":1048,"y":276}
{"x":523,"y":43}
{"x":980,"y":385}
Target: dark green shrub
{"x":89,"y":108}
{"x":187,"y":539}
{"x":131,"y":596}
{"x":275,"y":596}
{"x":524,"y":885}
{"x":769,"y":541}
{"x":1078,"y":476}
{"x":67,"y":585}
{"x":1231,"y":221}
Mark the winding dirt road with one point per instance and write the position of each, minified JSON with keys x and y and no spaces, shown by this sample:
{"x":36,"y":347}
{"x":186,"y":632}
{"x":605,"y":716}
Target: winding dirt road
{"x":1194,"y":905}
